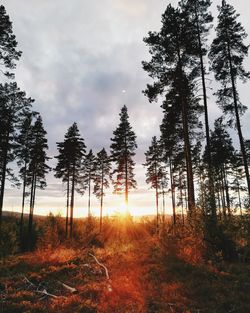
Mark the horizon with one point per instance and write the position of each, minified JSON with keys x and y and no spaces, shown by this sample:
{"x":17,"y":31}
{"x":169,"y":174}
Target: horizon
{"x":70,"y":74}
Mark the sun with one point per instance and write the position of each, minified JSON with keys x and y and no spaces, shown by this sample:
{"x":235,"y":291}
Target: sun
{"x":123,"y":209}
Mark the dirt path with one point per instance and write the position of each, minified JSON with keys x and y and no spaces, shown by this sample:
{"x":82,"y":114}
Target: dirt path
{"x":129,"y":265}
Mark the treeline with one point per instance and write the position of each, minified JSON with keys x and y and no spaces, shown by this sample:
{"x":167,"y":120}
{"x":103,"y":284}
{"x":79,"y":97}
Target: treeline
{"x":207,"y":176}
{"x":84,"y":172}
{"x":200,"y":168}
{"x":23,"y":139}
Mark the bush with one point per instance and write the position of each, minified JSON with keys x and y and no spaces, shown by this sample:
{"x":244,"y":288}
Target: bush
{"x":8,"y":239}
{"x":51,"y":232}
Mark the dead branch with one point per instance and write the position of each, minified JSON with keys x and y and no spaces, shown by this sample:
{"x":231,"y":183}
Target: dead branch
{"x":106,"y":271}
{"x":67,"y":287}
{"x":46,"y":293}
{"x":36,"y":289}
{"x":102,"y":265}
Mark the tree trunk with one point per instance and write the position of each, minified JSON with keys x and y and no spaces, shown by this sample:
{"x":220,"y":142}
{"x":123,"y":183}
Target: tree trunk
{"x":72,"y":202}
{"x":238,"y":124}
{"x":89,"y":195}
{"x":32,"y":196}
{"x":172,"y":191}
{"x":156,"y":197}
{"x":67,"y":208}
{"x":212,"y":202}
{"x":126,"y":176}
{"x":101,"y":204}
{"x":23,"y":200}
{"x":227,"y":191}
{"x":4,"y":168}
{"x":187,"y":146}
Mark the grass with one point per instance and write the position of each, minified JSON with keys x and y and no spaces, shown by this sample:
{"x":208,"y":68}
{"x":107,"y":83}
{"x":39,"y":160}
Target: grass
{"x":146,"y":276}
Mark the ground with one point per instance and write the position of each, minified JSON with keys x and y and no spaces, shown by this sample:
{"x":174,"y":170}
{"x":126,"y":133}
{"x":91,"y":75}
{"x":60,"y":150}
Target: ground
{"x":143,"y":278}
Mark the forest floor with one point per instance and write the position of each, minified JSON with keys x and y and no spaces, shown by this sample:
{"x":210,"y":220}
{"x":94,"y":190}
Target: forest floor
{"x":142,"y":279}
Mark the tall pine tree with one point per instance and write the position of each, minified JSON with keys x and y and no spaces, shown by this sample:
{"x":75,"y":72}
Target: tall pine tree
{"x":71,"y":153}
{"x":227,"y":54}
{"x":23,"y":149}
{"x":122,"y":152}
{"x":14,"y":107}
{"x":8,"y":44}
{"x":37,"y":169}
{"x":172,"y":68}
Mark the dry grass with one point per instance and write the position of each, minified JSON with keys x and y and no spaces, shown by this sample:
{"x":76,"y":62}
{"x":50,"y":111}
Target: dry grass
{"x":147,"y":275}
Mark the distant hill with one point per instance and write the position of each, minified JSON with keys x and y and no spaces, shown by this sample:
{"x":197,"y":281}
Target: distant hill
{"x":136,"y":218}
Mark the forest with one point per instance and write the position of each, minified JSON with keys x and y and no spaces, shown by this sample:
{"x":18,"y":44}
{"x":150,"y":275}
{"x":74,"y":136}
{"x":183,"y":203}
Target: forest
{"x":195,"y":260}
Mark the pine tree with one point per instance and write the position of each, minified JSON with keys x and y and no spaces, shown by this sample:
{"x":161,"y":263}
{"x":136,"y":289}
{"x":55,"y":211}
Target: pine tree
{"x":37,"y":169}
{"x":154,"y":171}
{"x":71,"y":153}
{"x":101,"y":180}
{"x":8,"y":44}
{"x":237,"y":185}
{"x":14,"y":107}
{"x":171,"y":67}
{"x":227,"y":54}
{"x":89,"y":167}
{"x":222,"y":153}
{"x":197,"y":11}
{"x":22,"y":151}
{"x":122,"y":152}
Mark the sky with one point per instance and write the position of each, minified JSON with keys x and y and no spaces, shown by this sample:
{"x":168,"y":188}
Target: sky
{"x":81,"y":63}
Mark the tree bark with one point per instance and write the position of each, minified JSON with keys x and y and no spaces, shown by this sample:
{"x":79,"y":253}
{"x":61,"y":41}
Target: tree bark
{"x":23,"y":200}
{"x":238,"y":124}
{"x":67,"y":208}
{"x":72,"y":202}
{"x":212,"y":202}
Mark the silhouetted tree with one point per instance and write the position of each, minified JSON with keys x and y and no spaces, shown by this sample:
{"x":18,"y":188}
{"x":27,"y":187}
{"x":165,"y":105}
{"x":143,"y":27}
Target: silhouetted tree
{"x":14,"y":107}
{"x":122,"y":152}
{"x":8,"y":44}
{"x":227,"y":54}
{"x":71,"y":153}
{"x":153,"y":171}
{"x":197,"y":11}
{"x":89,"y":167}
{"x":237,"y":184}
{"x":222,"y":152}
{"x":37,"y":168}
{"x":23,"y":149}
{"x":171,"y":67}
{"x":102,"y":176}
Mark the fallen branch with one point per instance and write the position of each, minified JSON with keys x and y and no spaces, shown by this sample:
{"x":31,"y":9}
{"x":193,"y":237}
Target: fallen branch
{"x":70,"y":289}
{"x":44,"y":292}
{"x":106,"y":271}
{"x":102,"y":265}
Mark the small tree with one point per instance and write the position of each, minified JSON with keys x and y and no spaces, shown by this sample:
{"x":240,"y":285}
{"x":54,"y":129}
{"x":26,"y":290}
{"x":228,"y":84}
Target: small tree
{"x":122,"y":153}
{"x":101,"y":180}
{"x":154,"y":172}
{"x":88,"y":176}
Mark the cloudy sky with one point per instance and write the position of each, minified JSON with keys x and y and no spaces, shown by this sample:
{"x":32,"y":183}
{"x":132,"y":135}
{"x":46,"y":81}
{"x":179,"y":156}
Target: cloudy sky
{"x":81,"y":62}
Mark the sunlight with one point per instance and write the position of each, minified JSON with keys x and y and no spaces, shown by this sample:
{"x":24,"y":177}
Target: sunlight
{"x":123,"y":209}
